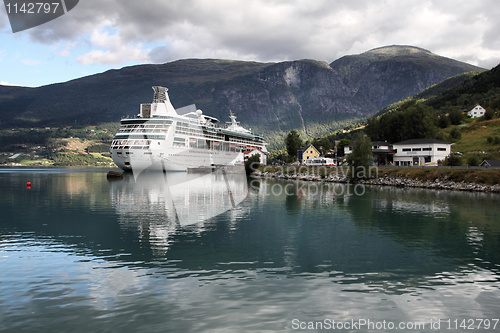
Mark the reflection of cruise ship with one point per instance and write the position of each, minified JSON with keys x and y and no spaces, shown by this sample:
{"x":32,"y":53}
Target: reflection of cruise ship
{"x":163,"y":138}
{"x":159,"y":204}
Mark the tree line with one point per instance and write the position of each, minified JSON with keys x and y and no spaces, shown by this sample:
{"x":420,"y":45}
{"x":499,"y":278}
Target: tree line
{"x":411,"y":120}
{"x":325,"y":144}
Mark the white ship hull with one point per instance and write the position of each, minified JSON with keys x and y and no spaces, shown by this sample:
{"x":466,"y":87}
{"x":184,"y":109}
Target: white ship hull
{"x":174,"y":159}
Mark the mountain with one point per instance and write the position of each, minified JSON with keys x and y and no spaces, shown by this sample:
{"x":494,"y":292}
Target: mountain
{"x":434,"y":91}
{"x":483,"y":88}
{"x":392,"y":73}
{"x":459,"y":92}
{"x":271,"y":98}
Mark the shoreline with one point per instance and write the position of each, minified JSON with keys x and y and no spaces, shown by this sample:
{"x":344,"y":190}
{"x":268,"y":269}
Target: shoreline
{"x":438,"y":179}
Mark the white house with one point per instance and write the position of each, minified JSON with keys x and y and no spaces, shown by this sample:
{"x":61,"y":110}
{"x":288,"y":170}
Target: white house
{"x":376,"y":145}
{"x":420,"y":152}
{"x":382,"y":152}
{"x":477,"y":111}
{"x":254,"y":151}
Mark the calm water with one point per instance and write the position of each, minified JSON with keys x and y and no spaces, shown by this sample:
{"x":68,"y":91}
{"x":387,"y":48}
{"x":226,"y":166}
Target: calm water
{"x":213,"y":253}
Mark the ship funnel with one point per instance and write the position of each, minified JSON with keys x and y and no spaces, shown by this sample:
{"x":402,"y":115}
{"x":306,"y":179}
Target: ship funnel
{"x":160,"y":95}
{"x":161,"y":105}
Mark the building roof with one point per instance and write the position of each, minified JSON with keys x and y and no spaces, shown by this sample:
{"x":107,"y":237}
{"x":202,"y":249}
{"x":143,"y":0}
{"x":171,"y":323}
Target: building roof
{"x":422,"y":141}
{"x":476,"y":106}
{"x":309,"y":146}
{"x":374,"y":143}
{"x":383,"y":151}
{"x":491,"y":163}
{"x":381,"y":143}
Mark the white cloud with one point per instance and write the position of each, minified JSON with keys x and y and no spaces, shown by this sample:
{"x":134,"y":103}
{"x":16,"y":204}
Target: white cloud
{"x":63,"y":49}
{"x":274,"y":30}
{"x":111,"y":49}
{"x":113,"y":57}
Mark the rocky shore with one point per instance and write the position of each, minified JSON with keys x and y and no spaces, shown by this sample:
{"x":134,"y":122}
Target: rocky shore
{"x":382,"y":180}
{"x":439,"y":184}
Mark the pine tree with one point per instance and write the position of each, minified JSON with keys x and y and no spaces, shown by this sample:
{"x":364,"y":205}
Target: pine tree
{"x":293,"y":143}
{"x":360,"y":160}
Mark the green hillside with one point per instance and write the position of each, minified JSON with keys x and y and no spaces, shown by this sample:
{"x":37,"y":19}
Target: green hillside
{"x":483,"y":88}
{"x":439,"y":112}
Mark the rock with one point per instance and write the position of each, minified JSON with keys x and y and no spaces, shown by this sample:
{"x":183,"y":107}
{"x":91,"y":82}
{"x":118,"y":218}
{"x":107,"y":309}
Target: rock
{"x":114,"y":175}
{"x":386,"y":181}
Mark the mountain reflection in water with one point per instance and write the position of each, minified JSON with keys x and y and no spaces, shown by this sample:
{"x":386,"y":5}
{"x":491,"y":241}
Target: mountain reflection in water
{"x":214,"y":252}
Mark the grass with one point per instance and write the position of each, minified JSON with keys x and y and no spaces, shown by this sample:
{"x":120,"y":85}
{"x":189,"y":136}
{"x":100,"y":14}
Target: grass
{"x":474,"y":136}
{"x":42,"y":161}
{"x":486,"y":177}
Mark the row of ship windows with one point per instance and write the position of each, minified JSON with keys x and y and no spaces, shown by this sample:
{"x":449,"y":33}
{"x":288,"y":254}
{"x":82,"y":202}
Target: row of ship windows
{"x":245,"y":141}
{"x":146,"y":130}
{"x":162,"y":126}
{"x":423,"y":149}
{"x":128,"y":147}
{"x":143,"y":129}
{"x":192,"y":143}
{"x":189,"y":131}
{"x":181,"y":128}
{"x":209,"y":135}
{"x":139,"y":136}
{"x":213,"y":145}
{"x":149,"y":122}
{"x":229,"y":148}
{"x":146,"y":125}
{"x":130,"y":144}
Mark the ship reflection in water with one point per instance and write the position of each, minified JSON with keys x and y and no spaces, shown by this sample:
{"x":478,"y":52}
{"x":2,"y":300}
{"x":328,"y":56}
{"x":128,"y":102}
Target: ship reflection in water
{"x":160,"y":203}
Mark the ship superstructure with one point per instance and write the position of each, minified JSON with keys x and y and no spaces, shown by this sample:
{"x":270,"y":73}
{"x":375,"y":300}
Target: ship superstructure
{"x":163,"y":138}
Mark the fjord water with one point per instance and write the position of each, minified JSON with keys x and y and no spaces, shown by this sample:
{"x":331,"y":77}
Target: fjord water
{"x":215,"y":253}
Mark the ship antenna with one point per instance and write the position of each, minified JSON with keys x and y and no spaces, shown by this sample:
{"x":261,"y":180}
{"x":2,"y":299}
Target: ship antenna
{"x":232,"y":116}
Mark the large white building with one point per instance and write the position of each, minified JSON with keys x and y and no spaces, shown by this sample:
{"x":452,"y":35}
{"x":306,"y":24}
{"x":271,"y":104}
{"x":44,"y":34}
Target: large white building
{"x":420,"y":152}
{"x":477,"y":111}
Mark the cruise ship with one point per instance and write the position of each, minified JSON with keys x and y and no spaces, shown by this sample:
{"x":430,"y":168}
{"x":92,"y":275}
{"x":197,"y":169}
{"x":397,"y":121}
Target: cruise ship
{"x":167,"y":139}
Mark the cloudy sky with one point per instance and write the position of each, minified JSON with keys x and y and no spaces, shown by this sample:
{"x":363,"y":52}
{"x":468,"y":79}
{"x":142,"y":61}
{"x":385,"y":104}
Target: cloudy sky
{"x":98,"y":35}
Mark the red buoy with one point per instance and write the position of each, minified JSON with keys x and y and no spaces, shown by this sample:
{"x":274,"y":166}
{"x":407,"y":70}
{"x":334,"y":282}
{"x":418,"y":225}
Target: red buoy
{"x":28,"y":185}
